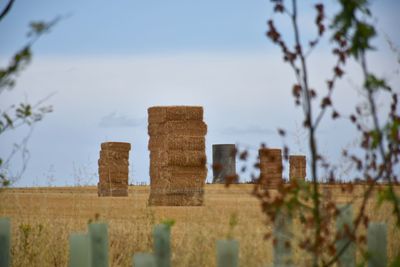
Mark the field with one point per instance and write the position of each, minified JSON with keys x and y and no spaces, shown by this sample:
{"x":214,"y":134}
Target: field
{"x":43,"y":218}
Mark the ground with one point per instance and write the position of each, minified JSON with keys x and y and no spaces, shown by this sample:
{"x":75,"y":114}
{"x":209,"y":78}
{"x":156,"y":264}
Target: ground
{"x":43,"y":218}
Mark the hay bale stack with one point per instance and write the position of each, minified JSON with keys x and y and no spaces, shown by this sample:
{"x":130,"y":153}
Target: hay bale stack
{"x":224,"y":163}
{"x":177,"y":155}
{"x":113,"y":169}
{"x":270,"y":167}
{"x":297,"y":168}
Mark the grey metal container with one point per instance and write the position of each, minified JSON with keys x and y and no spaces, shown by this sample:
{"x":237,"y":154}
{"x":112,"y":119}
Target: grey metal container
{"x":224,"y":162}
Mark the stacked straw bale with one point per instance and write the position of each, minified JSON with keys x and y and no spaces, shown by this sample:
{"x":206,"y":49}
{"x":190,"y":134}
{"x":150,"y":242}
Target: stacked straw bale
{"x":297,"y":168}
{"x":270,"y":167}
{"x":113,"y":169}
{"x":177,"y":155}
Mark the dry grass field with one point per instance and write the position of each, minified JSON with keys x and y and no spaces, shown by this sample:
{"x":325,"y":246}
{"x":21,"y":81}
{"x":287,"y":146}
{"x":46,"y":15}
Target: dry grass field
{"x":43,"y":218}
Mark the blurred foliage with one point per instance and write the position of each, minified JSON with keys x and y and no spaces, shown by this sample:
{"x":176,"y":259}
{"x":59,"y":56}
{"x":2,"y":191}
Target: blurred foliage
{"x":23,"y":113}
{"x":376,"y":160}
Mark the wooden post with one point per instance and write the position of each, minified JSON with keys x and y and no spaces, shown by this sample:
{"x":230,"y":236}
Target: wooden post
{"x":144,"y":260}
{"x":99,"y":244}
{"x":79,"y":250}
{"x":344,"y":226}
{"x":162,"y":247}
{"x":227,"y":253}
{"x":5,"y":242}
{"x":282,"y":236}
{"x":377,"y":244}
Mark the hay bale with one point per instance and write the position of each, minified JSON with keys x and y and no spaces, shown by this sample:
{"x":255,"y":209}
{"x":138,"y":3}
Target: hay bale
{"x":297,"y":169}
{"x":270,"y":155}
{"x":113,"y":169}
{"x":177,"y":155}
{"x":171,"y":142}
{"x":179,"y":158}
{"x":178,"y":128}
{"x":174,"y":113}
{"x":270,"y":167}
{"x":116,"y":146}
{"x":113,"y":155}
{"x":112,"y":162}
{"x":177,"y":177}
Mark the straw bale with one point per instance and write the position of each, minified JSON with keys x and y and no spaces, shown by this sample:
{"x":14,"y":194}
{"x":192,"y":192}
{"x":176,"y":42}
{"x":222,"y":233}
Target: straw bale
{"x":113,"y":162}
{"x":174,"y":113}
{"x":271,"y":168}
{"x":108,"y":168}
{"x":112,"y":179}
{"x":116,"y":146}
{"x":270,"y":154}
{"x":172,"y":142}
{"x":297,"y":168}
{"x":179,"y":158}
{"x":178,"y":128}
{"x":113,"y":155}
{"x":269,"y":151}
{"x":178,"y":177}
{"x":112,"y":175}
{"x":181,"y":170}
{"x":107,"y":186}
{"x":270,"y":182}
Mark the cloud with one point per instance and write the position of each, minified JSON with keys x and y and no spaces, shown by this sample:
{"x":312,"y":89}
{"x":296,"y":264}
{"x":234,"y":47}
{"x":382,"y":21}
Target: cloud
{"x":114,"y":120}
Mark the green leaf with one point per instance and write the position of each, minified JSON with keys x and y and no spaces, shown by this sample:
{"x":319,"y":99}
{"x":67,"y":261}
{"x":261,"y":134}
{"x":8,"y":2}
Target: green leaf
{"x":8,"y":120}
{"x":38,"y":27}
{"x":168,"y":222}
{"x":376,"y":138}
{"x":24,"y":111}
{"x":395,"y":262}
{"x":373,"y":83}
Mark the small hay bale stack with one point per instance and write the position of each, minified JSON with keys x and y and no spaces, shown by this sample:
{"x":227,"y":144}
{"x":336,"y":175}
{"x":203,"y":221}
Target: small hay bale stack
{"x":270,"y":167}
{"x":113,"y":169}
{"x":177,"y":155}
{"x":224,"y":163}
{"x":297,"y":168}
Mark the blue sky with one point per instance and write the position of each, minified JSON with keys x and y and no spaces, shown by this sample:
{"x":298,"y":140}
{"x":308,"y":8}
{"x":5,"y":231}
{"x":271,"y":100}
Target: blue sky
{"x":106,"y":63}
{"x":135,"y":27}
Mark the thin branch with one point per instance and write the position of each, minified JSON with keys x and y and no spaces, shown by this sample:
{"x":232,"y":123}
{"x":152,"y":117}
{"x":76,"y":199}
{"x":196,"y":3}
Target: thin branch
{"x":6,"y":9}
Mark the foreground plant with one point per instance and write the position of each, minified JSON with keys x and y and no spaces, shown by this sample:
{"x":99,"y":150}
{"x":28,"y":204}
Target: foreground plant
{"x":377,"y":158}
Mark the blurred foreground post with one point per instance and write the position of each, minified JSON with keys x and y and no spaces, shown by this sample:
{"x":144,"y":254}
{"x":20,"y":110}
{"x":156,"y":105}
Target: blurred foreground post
{"x":98,"y":235}
{"x":79,"y":250}
{"x":162,"y":247}
{"x":227,"y":253}
{"x":144,"y":260}
{"x":282,"y":237}
{"x":5,"y":242}
{"x":377,"y":245}
{"x":344,"y":228}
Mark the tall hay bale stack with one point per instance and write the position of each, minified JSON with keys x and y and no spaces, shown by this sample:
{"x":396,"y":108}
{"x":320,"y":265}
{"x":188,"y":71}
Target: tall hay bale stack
{"x":113,"y":169}
{"x":270,"y":167}
{"x":297,"y":169}
{"x":224,"y":163}
{"x":177,"y":155}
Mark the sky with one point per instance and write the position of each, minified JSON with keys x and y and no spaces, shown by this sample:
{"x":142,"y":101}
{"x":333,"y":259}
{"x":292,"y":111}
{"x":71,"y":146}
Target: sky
{"x":104,"y":64}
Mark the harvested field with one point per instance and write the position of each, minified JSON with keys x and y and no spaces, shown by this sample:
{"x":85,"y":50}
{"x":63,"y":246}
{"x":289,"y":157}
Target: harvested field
{"x":43,"y":218}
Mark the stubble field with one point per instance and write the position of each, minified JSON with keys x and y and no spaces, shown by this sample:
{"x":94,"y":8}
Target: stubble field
{"x":43,"y":218}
